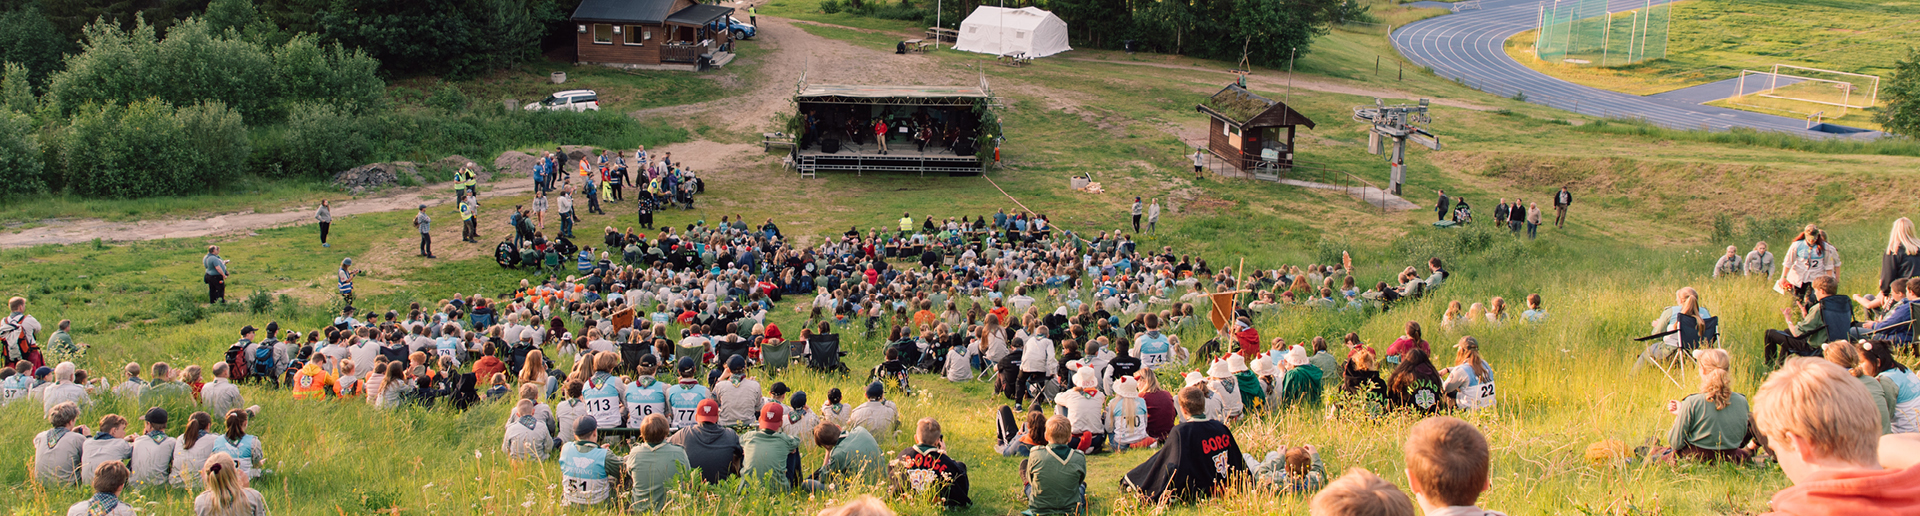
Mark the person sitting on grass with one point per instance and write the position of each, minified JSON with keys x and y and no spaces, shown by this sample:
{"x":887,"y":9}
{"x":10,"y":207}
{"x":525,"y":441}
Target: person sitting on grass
{"x":713,"y":449}
{"x":1012,"y":441}
{"x":526,"y":437}
{"x":1898,"y":381}
{"x":1533,"y":314}
{"x":1301,"y":384}
{"x":246,"y":450}
{"x":227,"y":493}
{"x":152,"y":460}
{"x":1447,"y":466}
{"x":877,"y":415}
{"x":653,"y":464}
{"x":107,"y":480}
{"x":926,"y":467}
{"x":1710,"y":425}
{"x":771,"y":457}
{"x":1847,"y":356}
{"x":1127,"y":413}
{"x":586,"y":466}
{"x":1085,"y":408}
{"x":110,"y":445}
{"x":1360,"y":493}
{"x":1199,"y":456}
{"x":1819,"y":423}
{"x":1412,"y":380}
{"x":57,"y":451}
{"x":853,"y":456}
{"x":130,"y":389}
{"x":1804,"y":338}
{"x":1055,"y":476}
{"x":1293,"y":470}
{"x":833,"y":411}
{"x":193,"y":447}
{"x":1469,"y":383}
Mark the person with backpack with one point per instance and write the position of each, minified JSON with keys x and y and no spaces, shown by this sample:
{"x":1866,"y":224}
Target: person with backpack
{"x":260,"y":360}
{"x":313,"y":382}
{"x":19,"y":332}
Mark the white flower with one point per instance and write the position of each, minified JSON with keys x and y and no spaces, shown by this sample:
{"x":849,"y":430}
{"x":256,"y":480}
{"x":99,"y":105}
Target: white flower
{"x":428,"y":486}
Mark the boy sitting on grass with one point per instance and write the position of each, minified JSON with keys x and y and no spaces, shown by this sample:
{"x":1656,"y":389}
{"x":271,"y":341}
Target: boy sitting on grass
{"x":108,"y":479}
{"x":1821,"y":425}
{"x":1293,"y":470}
{"x":1055,"y":475}
{"x":1360,"y":493}
{"x":1447,"y":463}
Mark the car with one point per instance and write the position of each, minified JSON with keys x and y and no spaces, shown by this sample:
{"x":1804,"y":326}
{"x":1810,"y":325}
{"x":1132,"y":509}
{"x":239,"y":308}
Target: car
{"x":740,"y":30}
{"x":570,"y":100}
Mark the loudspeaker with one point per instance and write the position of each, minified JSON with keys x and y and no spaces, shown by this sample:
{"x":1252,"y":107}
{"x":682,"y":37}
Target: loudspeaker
{"x":830,"y":145}
{"x":963,"y":147}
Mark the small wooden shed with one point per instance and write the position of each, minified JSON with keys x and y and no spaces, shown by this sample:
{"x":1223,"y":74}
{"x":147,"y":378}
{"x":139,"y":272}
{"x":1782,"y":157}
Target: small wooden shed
{"x":651,"y":34}
{"x":1249,"y":129}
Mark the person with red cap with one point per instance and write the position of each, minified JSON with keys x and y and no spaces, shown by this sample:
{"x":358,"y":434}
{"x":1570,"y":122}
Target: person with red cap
{"x":711,"y":448}
{"x":771,"y":456}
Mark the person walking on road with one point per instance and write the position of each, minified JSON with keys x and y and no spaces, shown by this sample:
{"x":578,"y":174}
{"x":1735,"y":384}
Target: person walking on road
{"x":1136,"y":214}
{"x":325,"y":216}
{"x":469,"y":222}
{"x":1560,"y":202}
{"x":425,"y":224}
{"x":216,"y":276}
{"x":1440,"y":210}
{"x":1153,"y":214}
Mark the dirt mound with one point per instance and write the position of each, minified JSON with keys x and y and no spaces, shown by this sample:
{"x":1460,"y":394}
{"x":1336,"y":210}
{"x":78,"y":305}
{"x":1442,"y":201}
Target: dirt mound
{"x":449,"y":164}
{"x":358,"y":180}
{"x":514,"y":163}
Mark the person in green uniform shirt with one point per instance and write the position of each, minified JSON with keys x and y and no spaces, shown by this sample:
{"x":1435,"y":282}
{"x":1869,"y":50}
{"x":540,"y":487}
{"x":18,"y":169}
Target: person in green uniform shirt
{"x":61,"y":346}
{"x":1056,"y":475}
{"x":851,"y":456}
{"x":652,"y":466}
{"x":771,"y":456}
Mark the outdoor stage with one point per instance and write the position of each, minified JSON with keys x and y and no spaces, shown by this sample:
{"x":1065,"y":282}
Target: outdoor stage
{"x":842,"y":118}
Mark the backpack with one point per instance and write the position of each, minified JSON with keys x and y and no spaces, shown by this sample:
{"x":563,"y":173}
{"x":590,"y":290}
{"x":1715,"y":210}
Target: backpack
{"x":237,"y":360}
{"x":263,"y":360}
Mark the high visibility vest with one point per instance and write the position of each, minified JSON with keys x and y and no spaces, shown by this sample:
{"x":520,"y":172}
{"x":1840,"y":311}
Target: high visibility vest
{"x":314,"y":386}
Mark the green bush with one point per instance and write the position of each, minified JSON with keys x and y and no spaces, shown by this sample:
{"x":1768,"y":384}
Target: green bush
{"x":829,"y":6}
{"x":20,"y":166}
{"x":317,"y":141}
{"x":16,"y":92}
{"x":449,"y":98}
{"x":150,"y":148}
{"x":259,"y":302}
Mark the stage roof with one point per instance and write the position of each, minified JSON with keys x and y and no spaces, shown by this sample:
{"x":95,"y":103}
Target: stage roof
{"x":907,"y":95}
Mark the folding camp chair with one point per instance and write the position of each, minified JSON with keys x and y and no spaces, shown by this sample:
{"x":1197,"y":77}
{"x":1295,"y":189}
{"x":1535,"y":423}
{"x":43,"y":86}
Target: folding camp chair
{"x":1692,"y":333}
{"x":823,"y":354}
{"x":1893,"y":334}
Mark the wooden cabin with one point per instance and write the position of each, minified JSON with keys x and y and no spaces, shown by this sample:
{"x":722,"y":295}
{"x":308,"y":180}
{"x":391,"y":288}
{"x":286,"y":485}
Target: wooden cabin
{"x":651,"y":34}
{"x":1251,"y":130}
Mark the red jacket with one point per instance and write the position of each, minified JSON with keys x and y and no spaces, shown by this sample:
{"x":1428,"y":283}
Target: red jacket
{"x":1249,"y":340}
{"x":1854,"y":492}
{"x":879,"y":128}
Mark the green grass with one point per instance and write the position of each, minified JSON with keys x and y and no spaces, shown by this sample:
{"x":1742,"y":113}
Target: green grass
{"x":1712,"y":40}
{"x":1640,"y":230}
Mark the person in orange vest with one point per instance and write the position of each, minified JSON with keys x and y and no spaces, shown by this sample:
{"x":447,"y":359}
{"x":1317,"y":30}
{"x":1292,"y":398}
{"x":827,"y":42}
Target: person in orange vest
{"x":313,"y":382}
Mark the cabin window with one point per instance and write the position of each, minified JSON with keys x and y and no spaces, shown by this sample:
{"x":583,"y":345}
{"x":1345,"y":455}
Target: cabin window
{"x":1233,"y":136}
{"x":603,"y":34}
{"x":635,"y":35}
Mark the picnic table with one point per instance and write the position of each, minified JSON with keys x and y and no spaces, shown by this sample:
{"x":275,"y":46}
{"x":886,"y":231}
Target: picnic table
{"x":917,"y":45}
{"x":1015,"y":59}
{"x":770,"y":140}
{"x":942,"y":34}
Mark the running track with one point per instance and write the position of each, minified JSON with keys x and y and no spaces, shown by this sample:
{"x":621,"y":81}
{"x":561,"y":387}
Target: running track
{"x":1469,"y":46}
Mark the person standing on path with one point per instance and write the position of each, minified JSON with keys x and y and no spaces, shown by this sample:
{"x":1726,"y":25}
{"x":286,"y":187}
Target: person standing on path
{"x":344,"y":278}
{"x":540,"y":211}
{"x":1440,"y":210}
{"x":472,"y":182}
{"x":1136,"y":214}
{"x":216,"y":276}
{"x":1560,"y":202}
{"x":325,"y":216}
{"x":1153,"y":214}
{"x":1533,"y":220}
{"x":1199,"y":160}
{"x":469,"y":224}
{"x":425,"y":224}
{"x":753,"y":16}
{"x":566,"y":214}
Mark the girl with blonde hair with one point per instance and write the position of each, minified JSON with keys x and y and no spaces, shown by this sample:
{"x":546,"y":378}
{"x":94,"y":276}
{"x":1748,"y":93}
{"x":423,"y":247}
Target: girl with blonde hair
{"x":1902,"y":259}
{"x":1470,"y":380}
{"x":1710,"y":425}
{"x":1451,"y":318}
{"x":1497,"y":310}
{"x":227,"y":493}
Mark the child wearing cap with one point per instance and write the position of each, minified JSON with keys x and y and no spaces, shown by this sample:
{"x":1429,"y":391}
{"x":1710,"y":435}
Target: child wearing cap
{"x":107,"y":481}
{"x":800,"y":420}
{"x":584,"y":466}
{"x":771,"y":456}
{"x":152,"y":462}
{"x":1253,"y":395}
{"x":877,"y":415}
{"x":1127,"y":414}
{"x":1225,"y":389}
{"x":713,"y":449}
{"x":1084,"y":406}
{"x":109,"y":445}
{"x":684,"y":397}
{"x":1301,"y":384}
{"x":647,"y":395}
{"x":738,"y":394}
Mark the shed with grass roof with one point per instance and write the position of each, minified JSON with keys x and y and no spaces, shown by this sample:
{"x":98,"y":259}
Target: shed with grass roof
{"x":1251,"y":131}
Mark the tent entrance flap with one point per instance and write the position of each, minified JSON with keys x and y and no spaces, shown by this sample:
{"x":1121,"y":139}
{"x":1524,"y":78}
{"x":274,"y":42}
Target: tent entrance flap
{"x":1001,"y":31}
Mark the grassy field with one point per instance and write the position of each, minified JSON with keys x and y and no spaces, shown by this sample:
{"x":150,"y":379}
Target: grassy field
{"x":1644,"y":224}
{"x":1711,"y":40}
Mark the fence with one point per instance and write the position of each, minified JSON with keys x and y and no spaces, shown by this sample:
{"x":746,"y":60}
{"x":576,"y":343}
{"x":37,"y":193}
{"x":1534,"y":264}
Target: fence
{"x":1582,"y":32}
{"x":1302,"y":174}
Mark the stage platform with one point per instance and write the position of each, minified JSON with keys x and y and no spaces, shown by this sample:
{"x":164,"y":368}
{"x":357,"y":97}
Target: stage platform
{"x":861,"y":159}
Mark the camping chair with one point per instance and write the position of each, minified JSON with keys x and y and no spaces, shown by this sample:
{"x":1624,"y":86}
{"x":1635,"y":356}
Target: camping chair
{"x":823,"y":354}
{"x":1675,"y":353}
{"x":776,"y":355}
{"x":1898,"y":334}
{"x":694,"y":353}
{"x":723,"y":350}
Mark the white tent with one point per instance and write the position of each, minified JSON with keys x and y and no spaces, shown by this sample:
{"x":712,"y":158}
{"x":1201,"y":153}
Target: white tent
{"x":999,"y":31}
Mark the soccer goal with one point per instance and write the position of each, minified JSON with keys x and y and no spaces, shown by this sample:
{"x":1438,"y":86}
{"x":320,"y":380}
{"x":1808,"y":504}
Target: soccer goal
{"x":1583,"y":32}
{"x":1806,"y":91}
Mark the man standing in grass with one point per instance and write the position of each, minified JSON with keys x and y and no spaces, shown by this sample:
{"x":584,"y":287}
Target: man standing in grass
{"x":1153,"y":215}
{"x":425,"y":224}
{"x":1560,"y":202}
{"x":1440,"y":210}
{"x":469,"y":227}
{"x":1136,"y":214}
{"x":325,"y":216}
{"x":216,"y":275}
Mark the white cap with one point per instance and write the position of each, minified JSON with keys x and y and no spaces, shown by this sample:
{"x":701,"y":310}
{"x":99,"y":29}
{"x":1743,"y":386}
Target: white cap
{"x":1297,"y":356}
{"x":1126,"y":387}
{"x":1218,"y":369}
{"x":1084,"y":376}
{"x":1194,"y":378}
{"x":1236,"y":363}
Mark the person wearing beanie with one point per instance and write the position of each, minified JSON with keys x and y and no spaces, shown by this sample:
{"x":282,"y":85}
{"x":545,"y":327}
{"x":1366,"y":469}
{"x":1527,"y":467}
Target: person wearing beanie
{"x":526,"y":436}
{"x":1268,"y":374}
{"x":800,"y":420}
{"x":647,"y":395}
{"x":1253,"y":396}
{"x":1085,"y":407}
{"x":1301,"y":386}
{"x":685,"y":397}
{"x":738,"y":394}
{"x":877,"y":415}
{"x":834,"y":411}
{"x":584,"y":465}
{"x":772,"y":457}
{"x":713,"y":449}
{"x":1225,"y":389}
{"x":1127,"y":414}
{"x":152,"y":462}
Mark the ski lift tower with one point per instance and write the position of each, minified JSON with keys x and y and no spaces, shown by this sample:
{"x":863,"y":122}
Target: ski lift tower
{"x":1400,"y":122}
